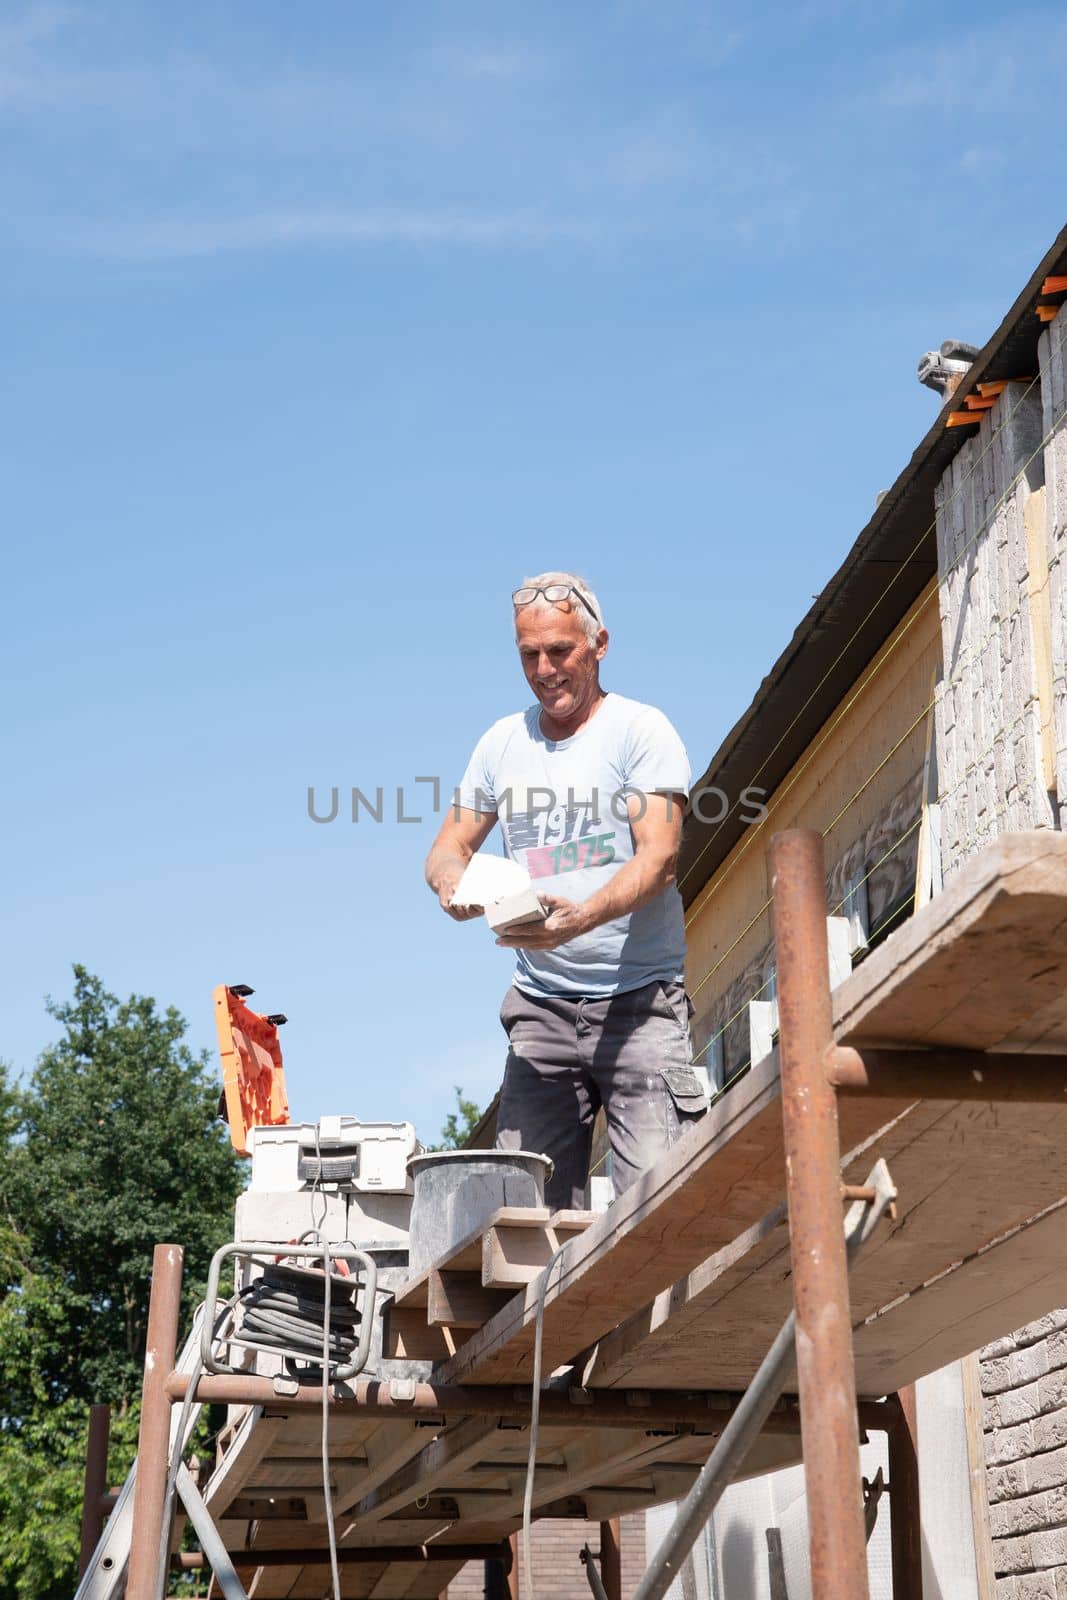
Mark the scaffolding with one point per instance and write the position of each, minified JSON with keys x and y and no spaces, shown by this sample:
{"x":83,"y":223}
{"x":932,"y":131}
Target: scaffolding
{"x":701,"y":1435}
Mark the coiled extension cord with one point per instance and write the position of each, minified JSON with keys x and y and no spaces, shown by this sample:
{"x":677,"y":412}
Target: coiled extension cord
{"x":284,"y":1311}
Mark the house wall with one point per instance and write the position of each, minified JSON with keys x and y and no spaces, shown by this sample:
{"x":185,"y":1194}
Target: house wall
{"x":1001,"y":754}
{"x":557,"y":1569}
{"x":860,"y":781}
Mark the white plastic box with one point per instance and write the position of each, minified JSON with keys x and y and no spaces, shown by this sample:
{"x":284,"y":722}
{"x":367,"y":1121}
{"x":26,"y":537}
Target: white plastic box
{"x":383,"y":1150}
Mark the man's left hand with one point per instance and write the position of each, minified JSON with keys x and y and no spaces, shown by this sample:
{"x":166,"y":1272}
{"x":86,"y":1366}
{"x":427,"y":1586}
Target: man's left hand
{"x":566,"y":920}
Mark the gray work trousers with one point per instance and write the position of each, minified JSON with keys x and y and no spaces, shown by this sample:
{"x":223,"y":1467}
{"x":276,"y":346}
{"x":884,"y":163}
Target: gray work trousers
{"x":567,"y":1056}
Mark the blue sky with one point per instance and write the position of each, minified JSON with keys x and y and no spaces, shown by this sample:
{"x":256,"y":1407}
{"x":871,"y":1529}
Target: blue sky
{"x":327,"y":324}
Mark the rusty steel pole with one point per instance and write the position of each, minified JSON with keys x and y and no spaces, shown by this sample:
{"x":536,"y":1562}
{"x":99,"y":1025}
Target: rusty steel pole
{"x":95,"y":1483}
{"x":905,"y":1532}
{"x":826,"y":1377}
{"x":611,"y":1559}
{"x":153,"y":1439}
{"x":513,"y":1567}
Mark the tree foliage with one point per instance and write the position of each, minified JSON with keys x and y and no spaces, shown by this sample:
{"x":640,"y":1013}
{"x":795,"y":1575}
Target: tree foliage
{"x":111,"y":1147}
{"x":459,"y":1124}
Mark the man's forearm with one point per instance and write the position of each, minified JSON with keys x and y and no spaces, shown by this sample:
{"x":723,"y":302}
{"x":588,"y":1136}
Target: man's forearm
{"x":444,"y":861}
{"x":634,"y":885}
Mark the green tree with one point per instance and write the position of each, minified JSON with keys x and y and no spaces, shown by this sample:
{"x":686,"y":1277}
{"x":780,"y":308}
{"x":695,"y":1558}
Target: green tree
{"x":459,"y":1124}
{"x":111,"y":1147}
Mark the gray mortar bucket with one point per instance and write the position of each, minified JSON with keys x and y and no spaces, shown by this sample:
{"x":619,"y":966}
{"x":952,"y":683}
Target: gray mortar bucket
{"x":457,"y":1191}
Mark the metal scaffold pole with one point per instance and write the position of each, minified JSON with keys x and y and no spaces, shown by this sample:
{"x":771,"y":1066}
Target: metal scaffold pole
{"x":93,"y":1512}
{"x":153,"y":1439}
{"x":825,"y":1372}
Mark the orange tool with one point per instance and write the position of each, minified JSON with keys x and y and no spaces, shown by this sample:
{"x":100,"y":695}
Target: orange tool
{"x":253,"y":1079}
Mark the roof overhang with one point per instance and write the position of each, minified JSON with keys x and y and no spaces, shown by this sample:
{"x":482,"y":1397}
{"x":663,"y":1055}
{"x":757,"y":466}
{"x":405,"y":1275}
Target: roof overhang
{"x":887,"y":568}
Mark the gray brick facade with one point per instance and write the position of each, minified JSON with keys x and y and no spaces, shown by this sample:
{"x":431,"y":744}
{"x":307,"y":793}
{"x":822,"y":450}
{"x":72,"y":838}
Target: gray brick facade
{"x":992,"y":779}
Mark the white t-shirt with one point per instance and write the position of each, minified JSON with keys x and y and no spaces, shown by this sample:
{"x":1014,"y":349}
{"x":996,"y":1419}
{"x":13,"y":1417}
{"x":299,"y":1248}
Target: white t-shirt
{"x":562,"y":810}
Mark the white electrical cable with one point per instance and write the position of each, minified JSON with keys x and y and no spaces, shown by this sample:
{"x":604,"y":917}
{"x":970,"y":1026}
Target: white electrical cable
{"x":535,"y":1418}
{"x":327,"y":1492}
{"x":331,"y":1532}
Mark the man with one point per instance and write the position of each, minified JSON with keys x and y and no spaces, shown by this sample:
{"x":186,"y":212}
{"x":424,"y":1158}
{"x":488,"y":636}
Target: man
{"x":590,"y":789}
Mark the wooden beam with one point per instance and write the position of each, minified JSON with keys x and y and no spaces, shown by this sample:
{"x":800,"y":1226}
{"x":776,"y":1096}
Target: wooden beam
{"x":252,"y":1441}
{"x":466,"y":1254}
{"x":514,"y":1254}
{"x":716,"y":1181}
{"x":407,"y":1336}
{"x":1005,"y":1285}
{"x":447,"y":1455}
{"x":458,"y":1300}
{"x":390,"y":1447}
{"x":983,"y":959}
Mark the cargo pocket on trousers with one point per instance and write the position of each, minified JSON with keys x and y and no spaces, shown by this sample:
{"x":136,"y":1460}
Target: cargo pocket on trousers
{"x":686,"y":1090}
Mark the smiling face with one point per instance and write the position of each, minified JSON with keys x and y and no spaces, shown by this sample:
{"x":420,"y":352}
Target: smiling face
{"x":561,"y":664}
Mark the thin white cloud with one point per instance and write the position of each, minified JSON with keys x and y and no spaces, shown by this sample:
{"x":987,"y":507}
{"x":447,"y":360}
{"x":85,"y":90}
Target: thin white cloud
{"x":980,"y":160}
{"x":179,"y":238}
{"x":495,"y":64}
{"x":29,"y":27}
{"x":985,"y":68}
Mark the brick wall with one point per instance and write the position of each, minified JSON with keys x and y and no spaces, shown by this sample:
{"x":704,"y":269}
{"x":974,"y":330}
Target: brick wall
{"x":1024,"y":1382}
{"x":991,"y":780}
{"x":558,"y":1573}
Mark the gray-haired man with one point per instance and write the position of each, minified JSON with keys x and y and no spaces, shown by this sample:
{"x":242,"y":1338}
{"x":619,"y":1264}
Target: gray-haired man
{"x":590,"y":789}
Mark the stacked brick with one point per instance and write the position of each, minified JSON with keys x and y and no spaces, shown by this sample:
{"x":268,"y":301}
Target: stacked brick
{"x":557,"y":1570}
{"x":1024,"y":1382}
{"x":990,"y":782}
{"x":1052,"y":356}
{"x":988,"y":710}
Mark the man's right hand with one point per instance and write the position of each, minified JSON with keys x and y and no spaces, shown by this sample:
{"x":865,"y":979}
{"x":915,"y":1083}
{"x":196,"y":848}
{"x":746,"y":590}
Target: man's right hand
{"x":462,"y":833}
{"x":445,"y":890}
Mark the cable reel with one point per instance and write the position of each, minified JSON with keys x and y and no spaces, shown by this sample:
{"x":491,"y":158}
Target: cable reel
{"x":282,"y":1311}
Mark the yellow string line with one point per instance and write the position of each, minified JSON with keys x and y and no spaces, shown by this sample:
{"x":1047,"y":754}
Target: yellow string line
{"x":945,"y":684}
{"x":871,"y":869}
{"x":798,"y":772}
{"x":978,"y":835}
{"x":731,"y":948}
{"x":923,"y":714}
{"x":874,"y":868}
{"x":716,"y":883}
{"x":988,"y":751}
{"x":868,"y":780}
{"x":994,"y":434}
{"x":1001,"y":810}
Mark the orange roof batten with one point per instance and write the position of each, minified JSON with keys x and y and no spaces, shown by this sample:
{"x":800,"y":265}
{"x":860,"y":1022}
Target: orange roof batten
{"x":253,"y":1078}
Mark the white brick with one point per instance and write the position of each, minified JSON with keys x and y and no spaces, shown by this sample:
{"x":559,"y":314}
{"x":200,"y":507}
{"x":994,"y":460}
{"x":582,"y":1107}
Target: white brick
{"x":1010,"y":1444}
{"x":996,"y":1375}
{"x":1019,"y":1405}
{"x":1008,"y":1483}
{"x":1012,"y":1555}
{"x":1044,"y":1471}
{"x":1049,"y":1432}
{"x":1034,"y":1513}
{"x":1036,"y":1586}
{"x":999,"y":1347}
{"x":1006,"y":1589}
{"x":1052,"y":1392}
{"x":1012,"y":1517}
{"x":1029,"y":1364}
{"x":1048,"y":1549}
